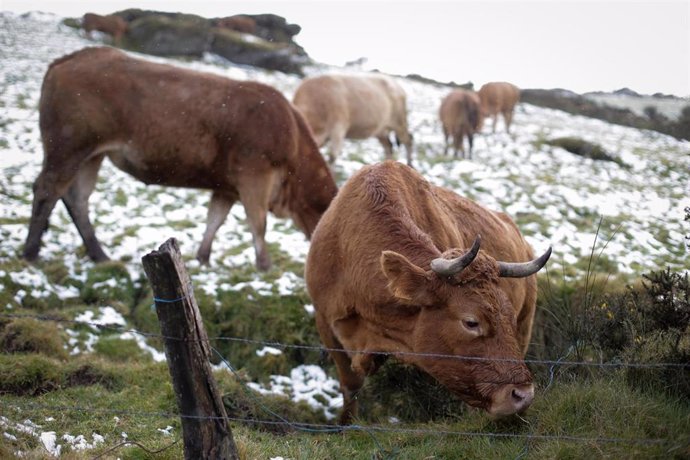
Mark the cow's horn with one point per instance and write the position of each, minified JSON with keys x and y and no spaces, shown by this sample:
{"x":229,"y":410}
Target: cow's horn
{"x":521,"y":270}
{"x":449,"y":267}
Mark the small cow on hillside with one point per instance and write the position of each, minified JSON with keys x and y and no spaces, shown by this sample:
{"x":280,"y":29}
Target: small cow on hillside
{"x":111,"y":25}
{"x":170,"y":126}
{"x":499,"y":97}
{"x":355,"y":107}
{"x":461,"y":117}
{"x":239,"y":23}
{"x":395,"y":268}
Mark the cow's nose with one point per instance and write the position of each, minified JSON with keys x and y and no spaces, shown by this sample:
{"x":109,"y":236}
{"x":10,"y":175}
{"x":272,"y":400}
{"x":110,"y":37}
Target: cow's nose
{"x":522,"y":396}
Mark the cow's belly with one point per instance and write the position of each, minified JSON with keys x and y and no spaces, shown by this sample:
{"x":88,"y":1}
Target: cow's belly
{"x":169,"y":169}
{"x":367,"y":129}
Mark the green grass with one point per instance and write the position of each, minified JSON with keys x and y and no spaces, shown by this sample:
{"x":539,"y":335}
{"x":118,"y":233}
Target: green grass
{"x":605,"y":416}
{"x":119,"y":389}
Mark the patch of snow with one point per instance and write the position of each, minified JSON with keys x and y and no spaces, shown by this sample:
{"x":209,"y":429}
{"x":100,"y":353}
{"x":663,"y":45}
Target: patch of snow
{"x":268,"y":351}
{"x":108,"y":316}
{"x":158,"y":356}
{"x":304,"y":384}
{"x":49,"y":441}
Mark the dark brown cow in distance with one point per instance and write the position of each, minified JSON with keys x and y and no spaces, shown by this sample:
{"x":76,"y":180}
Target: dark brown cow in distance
{"x":239,"y":23}
{"x":499,"y":97}
{"x":111,"y":25}
{"x":461,"y":117}
{"x":339,"y":107}
{"x":395,"y":268}
{"x":170,"y":126}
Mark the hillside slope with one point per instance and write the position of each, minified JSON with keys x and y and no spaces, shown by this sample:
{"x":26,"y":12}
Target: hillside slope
{"x":628,"y":214}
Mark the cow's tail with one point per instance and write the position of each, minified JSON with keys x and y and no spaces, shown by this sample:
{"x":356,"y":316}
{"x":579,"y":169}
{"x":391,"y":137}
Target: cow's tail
{"x":473,"y":113}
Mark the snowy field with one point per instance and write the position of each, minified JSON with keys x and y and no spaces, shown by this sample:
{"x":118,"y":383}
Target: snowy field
{"x":556,"y":198}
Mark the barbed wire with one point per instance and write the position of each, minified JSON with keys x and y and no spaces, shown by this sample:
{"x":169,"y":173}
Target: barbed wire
{"x":344,"y":428}
{"x":319,"y":348}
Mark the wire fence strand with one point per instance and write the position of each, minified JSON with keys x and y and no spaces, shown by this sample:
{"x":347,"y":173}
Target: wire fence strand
{"x":319,"y":348}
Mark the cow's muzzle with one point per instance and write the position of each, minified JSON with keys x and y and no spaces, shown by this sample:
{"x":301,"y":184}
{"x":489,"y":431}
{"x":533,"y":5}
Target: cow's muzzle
{"x":511,"y":399}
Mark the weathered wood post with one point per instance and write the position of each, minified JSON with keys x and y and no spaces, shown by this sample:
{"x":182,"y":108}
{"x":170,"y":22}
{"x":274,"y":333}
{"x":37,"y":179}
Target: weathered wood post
{"x":188,"y":358}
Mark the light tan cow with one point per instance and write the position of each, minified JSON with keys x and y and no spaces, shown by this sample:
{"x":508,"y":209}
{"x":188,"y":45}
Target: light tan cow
{"x":355,"y":107}
{"x":499,"y":98}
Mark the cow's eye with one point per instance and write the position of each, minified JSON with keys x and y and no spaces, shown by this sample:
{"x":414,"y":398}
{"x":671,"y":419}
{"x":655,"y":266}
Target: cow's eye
{"x":471,"y":324}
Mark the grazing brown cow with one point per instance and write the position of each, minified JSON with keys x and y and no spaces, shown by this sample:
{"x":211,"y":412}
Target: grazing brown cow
{"x":170,"y":126}
{"x":111,"y":25}
{"x":499,"y":97}
{"x":239,"y":23}
{"x":461,"y":117}
{"x":354,"y":107}
{"x":393,"y":270}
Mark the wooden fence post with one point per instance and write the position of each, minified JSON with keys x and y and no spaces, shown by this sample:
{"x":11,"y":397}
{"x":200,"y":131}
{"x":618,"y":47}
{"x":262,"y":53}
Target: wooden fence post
{"x":188,"y":359}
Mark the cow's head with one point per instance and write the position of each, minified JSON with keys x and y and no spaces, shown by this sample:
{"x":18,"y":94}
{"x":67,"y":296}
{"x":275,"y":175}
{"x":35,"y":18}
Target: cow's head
{"x":468,"y":325}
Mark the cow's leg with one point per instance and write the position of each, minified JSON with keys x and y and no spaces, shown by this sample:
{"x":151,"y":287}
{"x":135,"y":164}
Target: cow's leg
{"x":254,"y":194}
{"x":337,"y":138}
{"x":446,"y":144}
{"x":45,"y":197}
{"x":76,"y":201}
{"x":470,"y":141}
{"x":218,"y":209}
{"x":385,"y":141}
{"x":457,"y":144}
{"x":508,"y":118}
{"x":350,"y":381}
{"x":51,"y":184}
{"x":406,"y":139}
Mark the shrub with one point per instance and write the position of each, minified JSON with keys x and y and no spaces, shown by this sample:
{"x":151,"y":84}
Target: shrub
{"x":647,"y":323}
{"x":583,"y":148}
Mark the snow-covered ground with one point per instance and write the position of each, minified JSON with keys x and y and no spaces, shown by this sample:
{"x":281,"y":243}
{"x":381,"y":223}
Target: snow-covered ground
{"x":557,"y":198}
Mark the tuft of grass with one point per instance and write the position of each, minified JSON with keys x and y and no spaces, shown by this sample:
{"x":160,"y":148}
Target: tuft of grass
{"x":27,"y":335}
{"x":609,"y":409}
{"x":34,"y":374}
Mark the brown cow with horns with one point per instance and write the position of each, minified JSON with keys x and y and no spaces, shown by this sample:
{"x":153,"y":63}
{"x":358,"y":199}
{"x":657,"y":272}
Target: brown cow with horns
{"x":395,"y":268}
{"x":170,"y":126}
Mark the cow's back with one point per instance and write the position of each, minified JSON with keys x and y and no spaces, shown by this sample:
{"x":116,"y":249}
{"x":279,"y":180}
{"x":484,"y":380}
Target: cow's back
{"x":497,"y":97}
{"x":389,"y":206}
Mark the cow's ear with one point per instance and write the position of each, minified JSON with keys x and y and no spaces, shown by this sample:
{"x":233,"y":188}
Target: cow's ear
{"x":406,"y":281}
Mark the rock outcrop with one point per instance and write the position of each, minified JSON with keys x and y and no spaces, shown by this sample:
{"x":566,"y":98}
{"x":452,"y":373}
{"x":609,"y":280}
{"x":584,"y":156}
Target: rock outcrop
{"x":264,"y":40}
